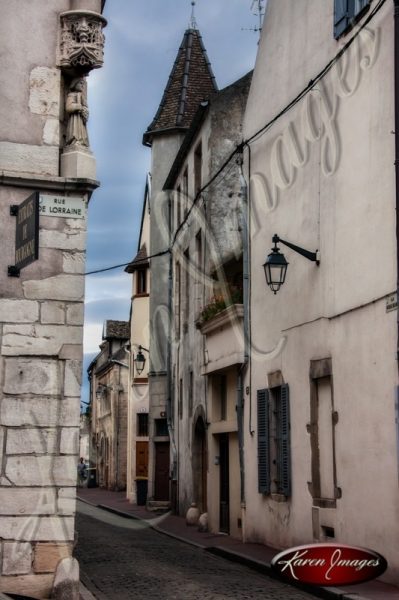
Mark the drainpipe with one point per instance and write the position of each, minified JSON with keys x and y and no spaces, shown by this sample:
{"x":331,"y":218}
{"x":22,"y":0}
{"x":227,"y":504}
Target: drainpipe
{"x":396,"y":69}
{"x":169,"y":408}
{"x":245,"y":262}
{"x":117,"y":429}
{"x":119,"y":391}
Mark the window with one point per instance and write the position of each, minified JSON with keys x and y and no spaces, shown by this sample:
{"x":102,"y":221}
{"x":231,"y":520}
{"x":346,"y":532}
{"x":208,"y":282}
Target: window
{"x":323,"y":419}
{"x":142,"y":425}
{"x":187,"y":286}
{"x":177,"y":300}
{"x":180,"y":398}
{"x":191,"y":394}
{"x":274,"y":456}
{"x":185,"y":192}
{"x":198,"y":168}
{"x":161,"y":427}
{"x":199,"y":272}
{"x":223,"y":397}
{"x":179,"y":205}
{"x":346,"y":13}
{"x":141,"y":279}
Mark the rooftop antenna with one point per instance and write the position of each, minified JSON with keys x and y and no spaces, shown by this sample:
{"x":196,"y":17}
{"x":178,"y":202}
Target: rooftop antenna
{"x":193,"y":22}
{"x":257,"y":9}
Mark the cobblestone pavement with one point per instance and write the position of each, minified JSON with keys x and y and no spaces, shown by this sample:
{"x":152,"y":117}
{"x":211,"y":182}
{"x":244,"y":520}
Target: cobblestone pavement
{"x":125,"y":559}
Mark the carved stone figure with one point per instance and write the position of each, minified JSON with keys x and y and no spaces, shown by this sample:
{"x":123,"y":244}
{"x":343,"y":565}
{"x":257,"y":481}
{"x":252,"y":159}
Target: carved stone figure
{"x":78,"y":112}
{"x":81,"y":41}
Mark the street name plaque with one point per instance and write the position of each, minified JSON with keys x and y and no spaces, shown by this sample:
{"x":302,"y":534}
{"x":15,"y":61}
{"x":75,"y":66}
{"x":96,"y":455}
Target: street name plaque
{"x":67,"y":207}
{"x":26,"y":233}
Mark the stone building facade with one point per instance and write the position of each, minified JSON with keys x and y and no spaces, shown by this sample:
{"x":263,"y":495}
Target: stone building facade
{"x":47,"y":50}
{"x":191,"y":81}
{"x":109,"y":382}
{"x":207,"y":303}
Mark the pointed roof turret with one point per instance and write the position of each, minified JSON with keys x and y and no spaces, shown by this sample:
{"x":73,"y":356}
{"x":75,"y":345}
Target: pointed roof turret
{"x":190,"y":82}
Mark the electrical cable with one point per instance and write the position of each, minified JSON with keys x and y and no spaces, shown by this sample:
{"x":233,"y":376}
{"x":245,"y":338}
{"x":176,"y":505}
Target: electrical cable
{"x":140,"y":260}
{"x":239,"y":148}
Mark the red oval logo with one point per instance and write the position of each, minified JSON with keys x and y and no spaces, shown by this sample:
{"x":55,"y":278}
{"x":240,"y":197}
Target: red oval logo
{"x":329,"y":564}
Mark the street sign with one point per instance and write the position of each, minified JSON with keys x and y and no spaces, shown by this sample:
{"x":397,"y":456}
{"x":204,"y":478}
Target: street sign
{"x":26,"y":233}
{"x":67,"y":207}
{"x":391,"y":302}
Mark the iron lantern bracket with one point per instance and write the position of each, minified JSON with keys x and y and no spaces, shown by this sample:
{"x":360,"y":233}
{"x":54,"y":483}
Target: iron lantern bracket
{"x":313,"y":256}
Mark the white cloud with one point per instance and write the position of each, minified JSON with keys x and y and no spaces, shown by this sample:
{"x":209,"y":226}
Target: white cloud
{"x":104,"y":287}
{"x":92,"y":337}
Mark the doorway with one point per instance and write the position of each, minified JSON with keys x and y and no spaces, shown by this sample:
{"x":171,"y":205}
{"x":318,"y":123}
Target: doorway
{"x":224,"y":511}
{"x":200,"y":465}
{"x":161,"y":487}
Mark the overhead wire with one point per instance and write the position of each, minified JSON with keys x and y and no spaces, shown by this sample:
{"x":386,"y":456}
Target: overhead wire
{"x":239,"y":148}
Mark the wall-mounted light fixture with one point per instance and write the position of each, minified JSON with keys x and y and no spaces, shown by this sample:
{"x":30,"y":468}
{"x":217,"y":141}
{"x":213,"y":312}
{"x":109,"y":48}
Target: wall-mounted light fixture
{"x":275,"y":266}
{"x":139,"y":361}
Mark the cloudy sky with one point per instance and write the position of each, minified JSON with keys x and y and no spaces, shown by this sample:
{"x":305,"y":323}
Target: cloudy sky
{"x":142,"y":40}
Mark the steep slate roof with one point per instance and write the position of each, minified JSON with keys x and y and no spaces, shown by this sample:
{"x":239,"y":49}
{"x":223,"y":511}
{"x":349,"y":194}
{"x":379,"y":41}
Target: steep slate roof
{"x":140,"y":260}
{"x":190,"y":82}
{"x":241,"y":86}
{"x":117,"y":330}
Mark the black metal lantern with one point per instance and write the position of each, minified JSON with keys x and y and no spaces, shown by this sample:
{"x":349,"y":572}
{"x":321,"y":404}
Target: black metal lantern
{"x":275,"y":267}
{"x":139,"y":361}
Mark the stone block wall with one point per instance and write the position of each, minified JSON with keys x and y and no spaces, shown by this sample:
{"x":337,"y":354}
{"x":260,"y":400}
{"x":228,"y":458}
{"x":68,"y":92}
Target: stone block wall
{"x":41,"y":335}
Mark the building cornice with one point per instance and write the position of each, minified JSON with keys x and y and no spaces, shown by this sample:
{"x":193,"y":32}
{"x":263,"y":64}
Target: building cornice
{"x":40,"y":182}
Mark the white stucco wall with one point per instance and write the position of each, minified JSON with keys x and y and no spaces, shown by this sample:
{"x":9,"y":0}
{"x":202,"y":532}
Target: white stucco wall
{"x":322,"y":177}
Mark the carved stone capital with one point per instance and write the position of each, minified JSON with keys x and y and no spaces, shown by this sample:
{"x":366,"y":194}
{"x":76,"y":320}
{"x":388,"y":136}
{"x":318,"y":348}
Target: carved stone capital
{"x":81,"y":46}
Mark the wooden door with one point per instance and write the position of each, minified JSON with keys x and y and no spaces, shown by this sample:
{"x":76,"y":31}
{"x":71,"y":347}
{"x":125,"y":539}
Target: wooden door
{"x":141,"y":459}
{"x":161,"y":491}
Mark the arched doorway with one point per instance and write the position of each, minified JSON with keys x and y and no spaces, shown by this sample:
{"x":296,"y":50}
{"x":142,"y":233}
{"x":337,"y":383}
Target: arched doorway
{"x":200,"y":464}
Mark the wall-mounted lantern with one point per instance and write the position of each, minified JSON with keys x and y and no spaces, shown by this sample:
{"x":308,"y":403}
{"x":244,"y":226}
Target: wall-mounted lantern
{"x":275,"y":266}
{"x":140,"y":360}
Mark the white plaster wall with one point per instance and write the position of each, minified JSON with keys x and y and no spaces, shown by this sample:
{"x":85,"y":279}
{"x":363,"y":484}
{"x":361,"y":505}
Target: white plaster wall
{"x":139,"y":335}
{"x":337,"y":195}
{"x":31,"y":104}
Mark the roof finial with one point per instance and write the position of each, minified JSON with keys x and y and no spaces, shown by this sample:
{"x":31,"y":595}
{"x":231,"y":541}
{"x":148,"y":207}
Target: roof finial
{"x":193,"y":22}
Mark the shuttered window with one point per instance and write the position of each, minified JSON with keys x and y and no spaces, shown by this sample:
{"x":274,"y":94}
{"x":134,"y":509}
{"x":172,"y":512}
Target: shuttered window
{"x":274,"y":453}
{"x":346,"y":12}
{"x":263,"y":442}
{"x":284,"y":452}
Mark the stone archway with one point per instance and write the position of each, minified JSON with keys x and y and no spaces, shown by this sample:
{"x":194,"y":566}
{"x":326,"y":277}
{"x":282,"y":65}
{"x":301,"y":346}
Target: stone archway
{"x":200,"y":461}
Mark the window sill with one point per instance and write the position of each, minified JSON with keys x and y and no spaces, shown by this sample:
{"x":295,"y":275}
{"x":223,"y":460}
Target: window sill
{"x":278,"y":498}
{"x":141,"y":295}
{"x":325,"y":502}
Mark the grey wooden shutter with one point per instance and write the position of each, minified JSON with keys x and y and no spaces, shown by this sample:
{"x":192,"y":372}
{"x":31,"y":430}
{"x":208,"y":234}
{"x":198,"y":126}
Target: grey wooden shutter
{"x":344,"y":12}
{"x":284,"y":454}
{"x":341,"y":16}
{"x":263,"y":442}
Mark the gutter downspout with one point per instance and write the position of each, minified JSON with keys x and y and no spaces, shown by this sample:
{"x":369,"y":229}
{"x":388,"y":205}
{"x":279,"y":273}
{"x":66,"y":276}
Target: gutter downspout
{"x":396,"y":100}
{"x":240,"y":396}
{"x":169,"y":409}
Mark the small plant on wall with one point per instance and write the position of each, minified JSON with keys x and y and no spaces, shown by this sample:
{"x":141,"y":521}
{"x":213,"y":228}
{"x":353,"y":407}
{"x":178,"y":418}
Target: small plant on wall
{"x":219,"y":302}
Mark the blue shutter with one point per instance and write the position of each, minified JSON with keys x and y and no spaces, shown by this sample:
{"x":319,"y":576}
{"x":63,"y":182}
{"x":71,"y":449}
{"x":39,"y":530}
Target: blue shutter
{"x":345,"y":12}
{"x":284,"y":450}
{"x":359,"y":5}
{"x":341,"y":16}
{"x":263,"y":442}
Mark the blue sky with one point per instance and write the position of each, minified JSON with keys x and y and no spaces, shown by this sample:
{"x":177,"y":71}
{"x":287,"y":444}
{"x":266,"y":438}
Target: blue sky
{"x":142,"y":40}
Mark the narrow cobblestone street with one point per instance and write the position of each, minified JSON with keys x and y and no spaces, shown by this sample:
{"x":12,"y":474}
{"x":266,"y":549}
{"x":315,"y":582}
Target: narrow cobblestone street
{"x":125,"y":559}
